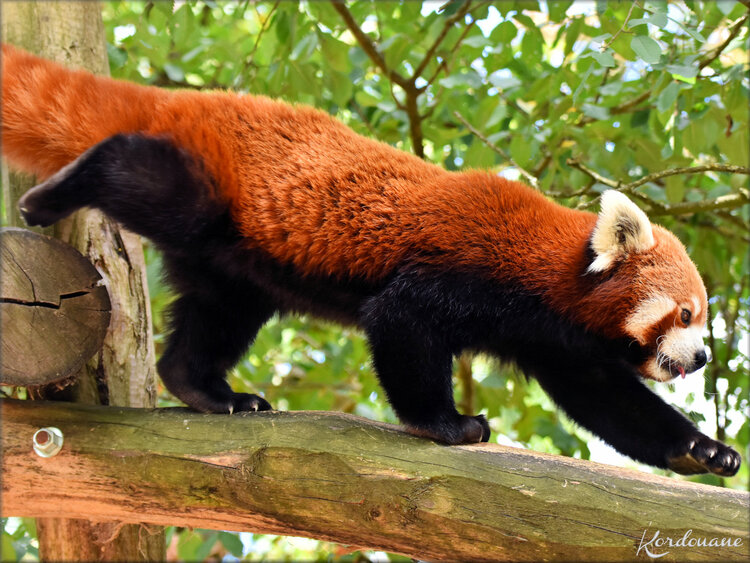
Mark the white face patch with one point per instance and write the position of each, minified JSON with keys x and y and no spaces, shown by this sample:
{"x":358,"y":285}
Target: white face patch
{"x":647,"y":314}
{"x":677,"y":348}
{"x":696,"y":306}
{"x":681,"y":344}
{"x":655,"y":371}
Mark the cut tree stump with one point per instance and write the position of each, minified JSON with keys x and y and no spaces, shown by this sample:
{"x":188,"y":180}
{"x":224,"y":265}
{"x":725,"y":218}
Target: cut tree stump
{"x":54,"y":313}
{"x":341,"y":478}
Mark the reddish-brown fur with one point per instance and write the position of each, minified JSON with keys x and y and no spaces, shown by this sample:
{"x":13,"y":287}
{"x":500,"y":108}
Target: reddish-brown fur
{"x":309,"y":191}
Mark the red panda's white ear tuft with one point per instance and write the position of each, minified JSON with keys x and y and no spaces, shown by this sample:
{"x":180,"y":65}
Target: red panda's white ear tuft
{"x":622,"y":228}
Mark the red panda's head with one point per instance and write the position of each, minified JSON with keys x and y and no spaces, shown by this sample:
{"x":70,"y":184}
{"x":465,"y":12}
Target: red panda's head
{"x":660,"y":300}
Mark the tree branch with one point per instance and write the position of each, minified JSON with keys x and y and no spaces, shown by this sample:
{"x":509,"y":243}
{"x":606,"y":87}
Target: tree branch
{"x":412,"y":92}
{"x":444,"y":63}
{"x":730,"y":201}
{"x":249,"y":59}
{"x":533,"y":180}
{"x":622,"y":28}
{"x":716,"y":53}
{"x":449,"y":22}
{"x":369,"y":47}
{"x":624,"y":107}
{"x":340,"y":478}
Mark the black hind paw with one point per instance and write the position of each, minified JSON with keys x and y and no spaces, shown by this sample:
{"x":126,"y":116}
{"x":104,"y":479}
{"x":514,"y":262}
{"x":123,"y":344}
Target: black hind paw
{"x":463,"y":430}
{"x":40,"y":207}
{"x":701,"y":454}
{"x":248,"y":402}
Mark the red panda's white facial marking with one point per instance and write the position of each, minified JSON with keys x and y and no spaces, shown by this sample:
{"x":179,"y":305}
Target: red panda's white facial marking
{"x":680,"y":351}
{"x":647,"y":314}
{"x":679,"y":348}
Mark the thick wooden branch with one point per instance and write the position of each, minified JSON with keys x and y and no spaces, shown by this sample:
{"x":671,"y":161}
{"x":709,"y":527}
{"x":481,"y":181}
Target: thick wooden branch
{"x":341,"y":478}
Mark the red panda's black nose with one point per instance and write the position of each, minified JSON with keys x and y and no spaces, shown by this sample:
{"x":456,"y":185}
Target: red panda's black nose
{"x":700,"y":359}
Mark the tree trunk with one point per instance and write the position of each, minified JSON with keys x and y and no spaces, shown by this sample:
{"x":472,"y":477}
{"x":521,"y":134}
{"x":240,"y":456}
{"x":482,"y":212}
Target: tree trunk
{"x":123,"y":373}
{"x":344,"y":479}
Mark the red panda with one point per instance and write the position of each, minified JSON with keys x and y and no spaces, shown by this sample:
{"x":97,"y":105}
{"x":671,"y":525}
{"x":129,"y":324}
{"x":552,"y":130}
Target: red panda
{"x":261,"y":207}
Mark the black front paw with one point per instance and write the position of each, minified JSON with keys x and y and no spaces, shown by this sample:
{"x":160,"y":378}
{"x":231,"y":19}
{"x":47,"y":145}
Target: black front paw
{"x":248,"y":402}
{"x":701,"y":454}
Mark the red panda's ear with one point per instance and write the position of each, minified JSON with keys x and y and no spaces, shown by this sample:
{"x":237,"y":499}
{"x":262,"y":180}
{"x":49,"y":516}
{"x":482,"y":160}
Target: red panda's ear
{"x":622,"y":228}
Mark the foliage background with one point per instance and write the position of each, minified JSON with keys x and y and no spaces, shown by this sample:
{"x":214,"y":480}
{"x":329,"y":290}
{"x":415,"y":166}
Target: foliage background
{"x":570,"y":97}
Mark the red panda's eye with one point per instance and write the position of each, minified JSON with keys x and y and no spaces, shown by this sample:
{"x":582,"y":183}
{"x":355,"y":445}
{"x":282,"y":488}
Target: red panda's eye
{"x":685,"y":316}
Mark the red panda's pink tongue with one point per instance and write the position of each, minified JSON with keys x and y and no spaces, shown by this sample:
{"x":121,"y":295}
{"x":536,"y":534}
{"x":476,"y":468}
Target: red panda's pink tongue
{"x":682,"y":371}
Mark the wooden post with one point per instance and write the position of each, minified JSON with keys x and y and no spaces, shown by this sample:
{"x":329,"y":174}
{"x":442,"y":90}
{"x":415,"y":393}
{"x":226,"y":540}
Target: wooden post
{"x":123,"y":373}
{"x":344,"y":479}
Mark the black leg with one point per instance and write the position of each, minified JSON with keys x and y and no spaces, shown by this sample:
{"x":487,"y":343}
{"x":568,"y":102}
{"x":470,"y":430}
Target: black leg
{"x":145,"y":183}
{"x":212,"y":328}
{"x":413,"y":363}
{"x":612,"y":402}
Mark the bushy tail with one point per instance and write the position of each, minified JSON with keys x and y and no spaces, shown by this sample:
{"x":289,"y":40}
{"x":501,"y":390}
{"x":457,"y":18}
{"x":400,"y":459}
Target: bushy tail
{"x":50,"y":114}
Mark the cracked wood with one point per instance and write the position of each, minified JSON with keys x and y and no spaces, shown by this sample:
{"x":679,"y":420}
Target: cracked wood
{"x":54,"y":313}
{"x":341,"y":478}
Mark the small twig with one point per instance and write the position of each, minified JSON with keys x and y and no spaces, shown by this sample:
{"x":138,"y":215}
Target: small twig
{"x":730,"y":201}
{"x":364,"y":119}
{"x":595,"y":175}
{"x":449,"y":22}
{"x":369,"y":47}
{"x":606,"y":45}
{"x":443,"y":65}
{"x":533,"y":180}
{"x":624,"y":107}
{"x":716,"y":53}
{"x":729,"y":168}
{"x":264,"y":26}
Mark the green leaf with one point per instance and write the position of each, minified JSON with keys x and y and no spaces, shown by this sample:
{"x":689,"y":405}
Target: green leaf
{"x":341,"y":87}
{"x":605,"y":59}
{"x":646,"y":48}
{"x":174,"y":72}
{"x":532,"y":46}
{"x":232,"y":542}
{"x":595,"y":112}
{"x":201,"y":552}
{"x":304,"y":47}
{"x":675,"y":188}
{"x":504,"y":82}
{"x":685,"y":73}
{"x":8,"y":549}
{"x":395,"y":49}
{"x":477,"y":41}
{"x":479,"y":155}
{"x":335,"y":53}
{"x":572,"y":33}
{"x":726,"y":6}
{"x":366,"y":99}
{"x":117,"y":57}
{"x":504,"y":33}
{"x":694,"y":34}
{"x":667,"y":97}
{"x":658,"y":19}
{"x":557,"y":9}
{"x":467,"y":79}
{"x":520,"y":149}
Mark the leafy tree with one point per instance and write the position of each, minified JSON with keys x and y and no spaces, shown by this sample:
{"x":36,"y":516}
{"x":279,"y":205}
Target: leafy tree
{"x":648,"y":97}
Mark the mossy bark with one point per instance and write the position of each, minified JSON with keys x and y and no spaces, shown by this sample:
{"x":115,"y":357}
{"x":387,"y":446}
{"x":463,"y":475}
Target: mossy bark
{"x":344,"y":479}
